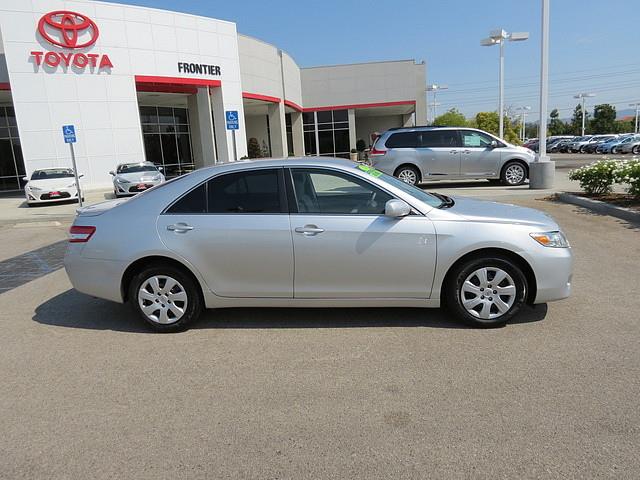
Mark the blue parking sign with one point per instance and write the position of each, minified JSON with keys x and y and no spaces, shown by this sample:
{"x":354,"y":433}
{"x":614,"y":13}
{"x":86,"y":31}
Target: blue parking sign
{"x":69,"y":133}
{"x":232,"y":120}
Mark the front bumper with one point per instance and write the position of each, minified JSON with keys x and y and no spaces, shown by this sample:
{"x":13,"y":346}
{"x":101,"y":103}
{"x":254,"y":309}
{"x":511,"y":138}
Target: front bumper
{"x":133,"y":188}
{"x":51,"y":196}
{"x":553,"y":269}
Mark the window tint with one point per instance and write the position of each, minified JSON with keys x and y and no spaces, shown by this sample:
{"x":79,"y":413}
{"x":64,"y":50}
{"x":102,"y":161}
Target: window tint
{"x":193,"y":202}
{"x":475,"y":139}
{"x":403,"y":140}
{"x":245,"y":192}
{"x":327,"y":192}
{"x":440,"y":138}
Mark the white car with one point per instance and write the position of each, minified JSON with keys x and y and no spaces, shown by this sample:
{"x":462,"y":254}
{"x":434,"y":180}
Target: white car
{"x":132,"y":178}
{"x":48,"y":185}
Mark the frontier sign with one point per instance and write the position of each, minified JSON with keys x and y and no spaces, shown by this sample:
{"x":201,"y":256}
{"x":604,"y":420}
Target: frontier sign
{"x":70,"y":31}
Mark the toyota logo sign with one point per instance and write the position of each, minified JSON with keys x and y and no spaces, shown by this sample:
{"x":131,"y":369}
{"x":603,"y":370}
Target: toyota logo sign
{"x":64,"y":29}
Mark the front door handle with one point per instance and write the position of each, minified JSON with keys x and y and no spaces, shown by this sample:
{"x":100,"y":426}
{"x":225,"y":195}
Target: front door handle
{"x":179,"y":227}
{"x":453,"y":151}
{"x":467,"y":151}
{"x":309,"y":230}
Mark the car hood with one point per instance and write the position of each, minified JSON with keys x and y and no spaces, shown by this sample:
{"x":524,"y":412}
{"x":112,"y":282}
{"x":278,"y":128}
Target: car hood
{"x":52,"y":183}
{"x":485,"y":211}
{"x":137,"y":176}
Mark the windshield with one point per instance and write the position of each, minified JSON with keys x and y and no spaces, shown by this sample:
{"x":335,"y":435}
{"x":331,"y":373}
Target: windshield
{"x":53,"y":173}
{"x":412,"y":190}
{"x":136,"y":167}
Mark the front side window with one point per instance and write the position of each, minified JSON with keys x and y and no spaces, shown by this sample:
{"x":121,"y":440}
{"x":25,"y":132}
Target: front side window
{"x":326,"y":192}
{"x":475,"y":139}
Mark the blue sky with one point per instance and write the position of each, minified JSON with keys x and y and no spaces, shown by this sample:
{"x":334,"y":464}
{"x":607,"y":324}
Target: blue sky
{"x":594,"y":44}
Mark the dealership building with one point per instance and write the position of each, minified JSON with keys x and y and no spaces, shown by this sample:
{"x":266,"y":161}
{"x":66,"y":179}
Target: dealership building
{"x":146,"y":84}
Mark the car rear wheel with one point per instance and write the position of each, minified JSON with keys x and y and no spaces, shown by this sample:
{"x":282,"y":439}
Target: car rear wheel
{"x":408,"y":174}
{"x":165,"y":297}
{"x":486,"y":292}
{"x":513,"y":173}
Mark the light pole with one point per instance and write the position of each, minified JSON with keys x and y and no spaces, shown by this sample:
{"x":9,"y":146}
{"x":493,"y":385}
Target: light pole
{"x":523,"y":129}
{"x":498,"y":37}
{"x":583,"y":96}
{"x":637,"y":105}
{"x":434,"y":88}
{"x":542,"y":171}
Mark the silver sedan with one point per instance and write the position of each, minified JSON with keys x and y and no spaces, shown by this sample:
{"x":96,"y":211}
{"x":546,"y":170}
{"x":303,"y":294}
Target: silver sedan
{"x":132,"y":178}
{"x":313,"y":233}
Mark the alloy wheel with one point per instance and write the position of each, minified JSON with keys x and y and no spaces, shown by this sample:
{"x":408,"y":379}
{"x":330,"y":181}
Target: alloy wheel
{"x":408,"y":176}
{"x":488,"y":293}
{"x":514,"y":174}
{"x":162,"y":299}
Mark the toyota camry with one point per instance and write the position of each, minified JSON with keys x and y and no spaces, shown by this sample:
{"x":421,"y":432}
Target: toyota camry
{"x":313,"y":233}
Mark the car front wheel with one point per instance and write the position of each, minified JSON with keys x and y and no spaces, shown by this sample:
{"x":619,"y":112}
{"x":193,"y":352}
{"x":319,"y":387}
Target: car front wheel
{"x":486,"y":292}
{"x":513,"y":173}
{"x":165,"y":297}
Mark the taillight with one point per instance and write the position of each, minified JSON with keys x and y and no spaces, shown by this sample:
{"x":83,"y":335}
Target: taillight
{"x":80,"y":234}
{"x":374,"y":151}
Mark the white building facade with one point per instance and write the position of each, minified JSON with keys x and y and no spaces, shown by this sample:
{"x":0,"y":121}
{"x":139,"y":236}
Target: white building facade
{"x":146,"y":84}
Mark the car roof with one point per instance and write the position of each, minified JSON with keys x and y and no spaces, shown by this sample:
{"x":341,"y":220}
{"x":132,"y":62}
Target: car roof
{"x":136,"y":163}
{"x":53,"y":168}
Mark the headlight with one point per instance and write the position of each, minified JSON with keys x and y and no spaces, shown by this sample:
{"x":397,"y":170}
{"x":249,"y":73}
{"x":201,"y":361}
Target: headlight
{"x":122,"y":180}
{"x":551,"y":239}
{"x":34,"y":188}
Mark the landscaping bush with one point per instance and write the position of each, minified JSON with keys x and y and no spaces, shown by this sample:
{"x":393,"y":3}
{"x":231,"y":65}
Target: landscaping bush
{"x":597,"y":178}
{"x":629,"y":173}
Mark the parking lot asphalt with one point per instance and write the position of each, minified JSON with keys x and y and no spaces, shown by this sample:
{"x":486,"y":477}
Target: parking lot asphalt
{"x":90,"y":392}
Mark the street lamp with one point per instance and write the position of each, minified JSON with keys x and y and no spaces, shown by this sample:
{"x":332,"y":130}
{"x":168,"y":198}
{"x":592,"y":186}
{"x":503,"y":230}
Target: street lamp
{"x":498,"y":37}
{"x":523,"y":130}
{"x":637,"y":105}
{"x":434,"y":88}
{"x":583,"y":96}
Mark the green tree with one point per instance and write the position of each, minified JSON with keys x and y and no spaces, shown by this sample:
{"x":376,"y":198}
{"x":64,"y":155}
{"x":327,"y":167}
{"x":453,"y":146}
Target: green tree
{"x":625,"y":126}
{"x":489,"y":122}
{"x":451,"y":118}
{"x":576,"y":121}
{"x":253,"y":148}
{"x":604,"y":119}
{"x":557,"y":126}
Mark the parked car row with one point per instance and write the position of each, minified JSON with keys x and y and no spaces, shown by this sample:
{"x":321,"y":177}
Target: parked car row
{"x":605,"y":144}
{"x":50,"y":185}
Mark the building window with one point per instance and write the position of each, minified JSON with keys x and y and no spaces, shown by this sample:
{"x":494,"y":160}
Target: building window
{"x":11,"y":161}
{"x":289,"y":128}
{"x":326,"y":133}
{"x":167,"y":138}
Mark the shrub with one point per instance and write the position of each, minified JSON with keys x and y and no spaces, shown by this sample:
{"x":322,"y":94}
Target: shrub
{"x":629,"y":173}
{"x":253,"y":148}
{"x":597,"y":178}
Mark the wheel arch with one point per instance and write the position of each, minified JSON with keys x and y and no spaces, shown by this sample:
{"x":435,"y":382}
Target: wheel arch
{"x":150,"y":260}
{"x":515,"y":160}
{"x":413,"y":166}
{"x":487,"y":252}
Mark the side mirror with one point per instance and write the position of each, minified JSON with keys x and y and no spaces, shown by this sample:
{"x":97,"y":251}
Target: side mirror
{"x":494,"y":144}
{"x":396,"y":208}
{"x":112,"y":173}
{"x":161,"y":169}
{"x":26,"y":179}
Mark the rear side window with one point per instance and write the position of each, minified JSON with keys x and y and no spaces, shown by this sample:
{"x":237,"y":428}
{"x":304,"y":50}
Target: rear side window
{"x":403,"y":140}
{"x":440,"y":138}
{"x":193,"y":202}
{"x":245,"y":192}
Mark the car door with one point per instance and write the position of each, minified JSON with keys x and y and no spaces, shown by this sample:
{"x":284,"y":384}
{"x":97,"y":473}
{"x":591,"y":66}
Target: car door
{"x":235,"y":230}
{"x":344,"y":245}
{"x":479,"y":158}
{"x":439,"y":152}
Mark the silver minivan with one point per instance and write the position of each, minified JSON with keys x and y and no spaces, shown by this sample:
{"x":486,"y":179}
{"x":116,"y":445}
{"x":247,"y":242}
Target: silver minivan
{"x":424,"y":154}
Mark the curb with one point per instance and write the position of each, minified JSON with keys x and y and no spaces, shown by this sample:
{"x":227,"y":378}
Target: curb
{"x":603,"y":208}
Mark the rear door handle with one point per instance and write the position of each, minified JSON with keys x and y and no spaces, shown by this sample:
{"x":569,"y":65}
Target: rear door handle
{"x":309,"y":230}
{"x":453,"y":151}
{"x":467,"y":151}
{"x":179,"y":227}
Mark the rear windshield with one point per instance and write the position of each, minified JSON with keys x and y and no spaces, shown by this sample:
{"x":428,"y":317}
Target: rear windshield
{"x":136,"y":167}
{"x":49,"y":174}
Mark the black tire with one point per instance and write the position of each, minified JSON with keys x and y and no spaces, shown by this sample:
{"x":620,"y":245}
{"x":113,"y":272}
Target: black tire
{"x":460,"y":273}
{"x":506,"y":179}
{"x":636,"y":150}
{"x":614,"y":151}
{"x":410,"y":171}
{"x":194,"y":302}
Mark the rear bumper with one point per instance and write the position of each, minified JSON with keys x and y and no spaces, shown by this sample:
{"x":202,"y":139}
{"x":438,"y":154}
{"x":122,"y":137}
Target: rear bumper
{"x":98,"y":278}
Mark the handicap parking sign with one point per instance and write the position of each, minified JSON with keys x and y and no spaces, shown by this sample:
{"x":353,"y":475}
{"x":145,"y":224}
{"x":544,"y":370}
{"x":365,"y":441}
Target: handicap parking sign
{"x":69,"y":133}
{"x":232,"y":120}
